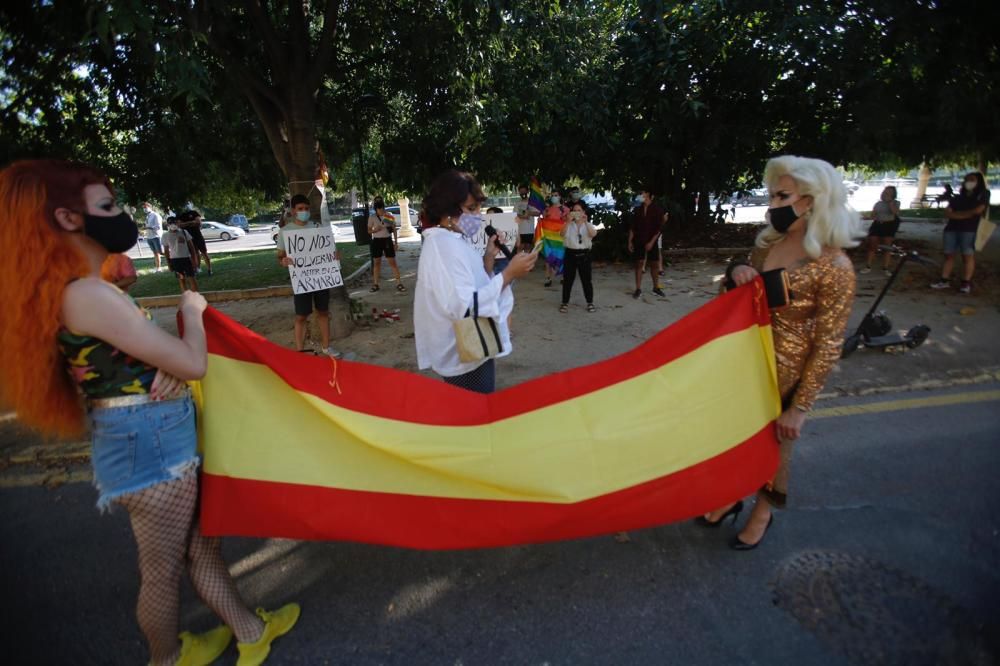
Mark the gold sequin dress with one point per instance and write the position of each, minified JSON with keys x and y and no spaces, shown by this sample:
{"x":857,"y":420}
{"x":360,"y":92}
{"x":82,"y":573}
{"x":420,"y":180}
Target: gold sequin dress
{"x":808,"y":337}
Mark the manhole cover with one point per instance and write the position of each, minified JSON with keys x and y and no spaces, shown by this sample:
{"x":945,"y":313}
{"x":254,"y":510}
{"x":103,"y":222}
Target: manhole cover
{"x":875,"y":614}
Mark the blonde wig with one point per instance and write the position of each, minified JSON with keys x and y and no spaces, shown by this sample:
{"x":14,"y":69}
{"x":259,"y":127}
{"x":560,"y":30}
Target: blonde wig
{"x":832,"y":222}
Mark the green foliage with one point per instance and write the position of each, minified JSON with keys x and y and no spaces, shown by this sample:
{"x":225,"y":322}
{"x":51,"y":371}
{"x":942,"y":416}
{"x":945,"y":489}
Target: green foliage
{"x":223,"y":103}
{"x":230,"y":270}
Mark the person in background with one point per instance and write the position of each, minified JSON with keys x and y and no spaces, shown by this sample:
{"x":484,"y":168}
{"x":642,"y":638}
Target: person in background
{"x":385,"y":242}
{"x":500,"y":261}
{"x":181,"y":255}
{"x":883,"y":229}
{"x":526,"y":216}
{"x":946,"y":196}
{"x":963,"y":215}
{"x":647,"y":223}
{"x":578,"y":235}
{"x":154,"y":231}
{"x":451,"y":277}
{"x":809,"y":224}
{"x":83,"y":356}
{"x":190,"y":221}
{"x":119,"y":270}
{"x":304,"y":303}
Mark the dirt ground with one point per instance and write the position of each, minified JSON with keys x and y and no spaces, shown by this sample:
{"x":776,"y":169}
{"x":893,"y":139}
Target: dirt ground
{"x":962,"y":344}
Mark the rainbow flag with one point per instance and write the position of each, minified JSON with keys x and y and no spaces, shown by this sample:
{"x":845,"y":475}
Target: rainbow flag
{"x":548,"y":231}
{"x":680,"y":425}
{"x":536,"y":199}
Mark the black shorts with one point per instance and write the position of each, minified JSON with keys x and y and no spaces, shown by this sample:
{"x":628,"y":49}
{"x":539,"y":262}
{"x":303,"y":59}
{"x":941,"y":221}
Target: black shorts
{"x":182,"y":266}
{"x":304,"y":302}
{"x":197,"y":239}
{"x":640,"y":254}
{"x":527,"y":239}
{"x":884,"y":229}
{"x":383,"y":247}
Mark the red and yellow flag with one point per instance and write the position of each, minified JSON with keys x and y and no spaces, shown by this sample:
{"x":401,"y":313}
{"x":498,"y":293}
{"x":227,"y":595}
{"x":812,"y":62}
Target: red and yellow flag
{"x":302,"y":447}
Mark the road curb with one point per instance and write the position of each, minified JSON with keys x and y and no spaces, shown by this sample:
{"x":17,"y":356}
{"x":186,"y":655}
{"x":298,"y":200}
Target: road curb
{"x":985,"y":377}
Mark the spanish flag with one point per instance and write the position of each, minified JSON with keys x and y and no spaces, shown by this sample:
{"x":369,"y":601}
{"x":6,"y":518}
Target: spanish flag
{"x":307,"y":448}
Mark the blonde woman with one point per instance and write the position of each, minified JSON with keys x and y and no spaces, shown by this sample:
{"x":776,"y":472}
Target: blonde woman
{"x":809,"y":224}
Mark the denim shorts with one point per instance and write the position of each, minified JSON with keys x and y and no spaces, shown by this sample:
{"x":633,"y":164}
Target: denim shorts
{"x":960,"y":241}
{"x":136,"y":447}
{"x":155,"y":245}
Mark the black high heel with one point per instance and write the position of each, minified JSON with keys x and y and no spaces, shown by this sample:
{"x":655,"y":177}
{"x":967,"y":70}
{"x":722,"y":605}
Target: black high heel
{"x":738,"y":544}
{"x":734,"y":511}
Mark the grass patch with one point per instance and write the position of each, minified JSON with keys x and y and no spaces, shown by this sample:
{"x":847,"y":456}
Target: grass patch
{"x":230,"y":270}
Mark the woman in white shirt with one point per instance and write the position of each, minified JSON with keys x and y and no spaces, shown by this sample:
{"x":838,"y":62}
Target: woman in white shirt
{"x":578,"y":235}
{"x":451,"y":273}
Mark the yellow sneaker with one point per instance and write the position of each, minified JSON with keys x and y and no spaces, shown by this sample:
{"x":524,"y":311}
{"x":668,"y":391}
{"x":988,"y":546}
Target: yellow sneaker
{"x":276,"y":623}
{"x":203,"y":649}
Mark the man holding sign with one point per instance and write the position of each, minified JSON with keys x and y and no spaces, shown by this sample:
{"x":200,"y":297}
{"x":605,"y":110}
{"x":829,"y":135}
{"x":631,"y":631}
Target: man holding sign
{"x":306,"y":247}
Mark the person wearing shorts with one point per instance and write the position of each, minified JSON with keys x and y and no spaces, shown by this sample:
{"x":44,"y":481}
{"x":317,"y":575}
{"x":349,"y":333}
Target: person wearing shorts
{"x":179,"y":249}
{"x":963,"y":215}
{"x":190,"y":221}
{"x":647,"y":222}
{"x":154,"y":230}
{"x":382,"y":228}
{"x":305,"y":303}
{"x":885,"y":225}
{"x":525,"y":215}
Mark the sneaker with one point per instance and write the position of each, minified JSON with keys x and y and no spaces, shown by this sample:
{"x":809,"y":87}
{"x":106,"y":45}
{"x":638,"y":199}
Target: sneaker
{"x":865,"y":270}
{"x":887,"y":272}
{"x":277,"y":623}
{"x":658,"y":291}
{"x":966,"y":287}
{"x":201,"y":649}
{"x":940,"y":284}
{"x":548,"y":282}
{"x":332,"y":353}
{"x":635,"y":294}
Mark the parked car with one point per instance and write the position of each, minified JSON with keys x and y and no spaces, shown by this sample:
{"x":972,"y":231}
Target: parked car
{"x":239,"y":220}
{"x":274,"y":233}
{"x":395,"y":210}
{"x":757,"y":197}
{"x":219,"y":231}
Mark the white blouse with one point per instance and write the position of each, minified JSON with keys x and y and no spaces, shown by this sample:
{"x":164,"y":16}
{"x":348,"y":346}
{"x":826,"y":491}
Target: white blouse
{"x":576,"y":236}
{"x":449,"y":272}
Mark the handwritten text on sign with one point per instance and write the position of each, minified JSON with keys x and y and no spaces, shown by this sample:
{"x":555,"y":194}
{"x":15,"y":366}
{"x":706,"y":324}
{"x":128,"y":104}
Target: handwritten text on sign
{"x":506,"y":232}
{"x":314,"y":261}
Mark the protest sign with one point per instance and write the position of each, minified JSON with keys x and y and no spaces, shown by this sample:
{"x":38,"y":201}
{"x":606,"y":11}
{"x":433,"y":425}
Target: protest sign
{"x":506,"y":228}
{"x":314,"y":261}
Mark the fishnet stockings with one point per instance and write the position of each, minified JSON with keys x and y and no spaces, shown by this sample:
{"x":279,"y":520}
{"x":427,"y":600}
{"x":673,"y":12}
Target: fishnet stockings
{"x":163,"y":524}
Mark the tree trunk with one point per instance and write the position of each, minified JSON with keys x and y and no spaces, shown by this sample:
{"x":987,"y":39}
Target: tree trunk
{"x":298,"y":156}
{"x":922,"y":179}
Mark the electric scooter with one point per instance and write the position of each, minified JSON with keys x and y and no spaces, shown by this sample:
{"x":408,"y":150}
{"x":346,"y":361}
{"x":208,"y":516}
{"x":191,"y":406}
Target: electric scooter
{"x":875,"y":329}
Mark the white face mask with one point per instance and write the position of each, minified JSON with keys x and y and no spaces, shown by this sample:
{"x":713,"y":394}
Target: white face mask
{"x":556,"y":200}
{"x":970,"y":185}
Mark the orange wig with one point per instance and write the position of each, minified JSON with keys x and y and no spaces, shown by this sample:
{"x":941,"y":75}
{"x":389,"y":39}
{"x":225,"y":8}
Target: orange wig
{"x":39,"y":261}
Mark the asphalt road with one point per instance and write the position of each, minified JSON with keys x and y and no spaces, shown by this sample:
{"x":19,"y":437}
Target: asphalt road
{"x":889,"y":553}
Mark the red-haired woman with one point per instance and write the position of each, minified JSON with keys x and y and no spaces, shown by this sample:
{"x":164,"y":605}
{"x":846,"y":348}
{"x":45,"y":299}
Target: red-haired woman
{"x":82,"y":353}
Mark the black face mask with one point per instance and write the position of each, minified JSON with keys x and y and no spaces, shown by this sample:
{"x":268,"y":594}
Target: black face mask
{"x":115,"y":234}
{"x":782,"y":218}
